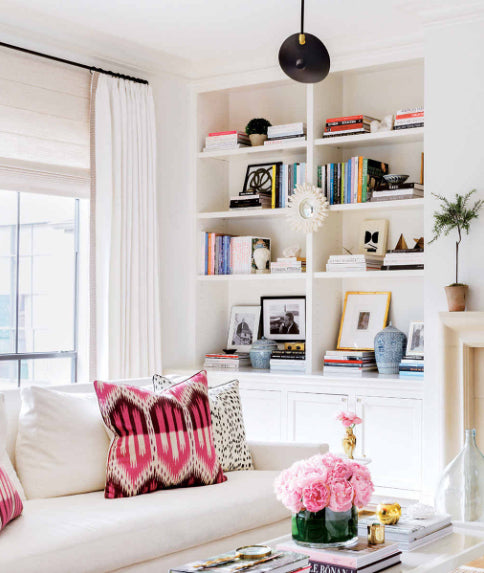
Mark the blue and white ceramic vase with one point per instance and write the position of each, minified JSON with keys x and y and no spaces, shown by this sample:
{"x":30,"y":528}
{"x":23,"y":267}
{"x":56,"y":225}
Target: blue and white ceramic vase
{"x":390,"y":345}
{"x":260,"y":353}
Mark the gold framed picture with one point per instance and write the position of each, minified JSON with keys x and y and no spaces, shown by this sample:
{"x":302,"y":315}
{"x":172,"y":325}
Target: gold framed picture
{"x":364,"y":315}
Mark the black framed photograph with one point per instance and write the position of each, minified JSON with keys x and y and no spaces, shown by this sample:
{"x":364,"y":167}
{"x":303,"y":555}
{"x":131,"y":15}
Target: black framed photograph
{"x":259,"y":177}
{"x":243,"y":328}
{"x":284,"y":317}
{"x":415,"y":340}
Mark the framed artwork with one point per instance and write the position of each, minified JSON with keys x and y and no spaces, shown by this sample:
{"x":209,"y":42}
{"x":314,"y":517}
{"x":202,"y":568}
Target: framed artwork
{"x":364,"y":315}
{"x":284,"y":317}
{"x":258,"y":179}
{"x":373,"y":237}
{"x":415,"y":340}
{"x":243,"y":328}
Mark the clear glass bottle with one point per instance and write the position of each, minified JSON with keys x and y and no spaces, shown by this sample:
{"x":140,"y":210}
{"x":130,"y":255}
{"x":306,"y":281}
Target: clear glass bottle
{"x":460,"y":492}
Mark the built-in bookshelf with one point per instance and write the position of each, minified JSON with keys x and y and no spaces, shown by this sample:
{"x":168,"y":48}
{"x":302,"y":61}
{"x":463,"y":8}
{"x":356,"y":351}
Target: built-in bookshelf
{"x":218,"y":175}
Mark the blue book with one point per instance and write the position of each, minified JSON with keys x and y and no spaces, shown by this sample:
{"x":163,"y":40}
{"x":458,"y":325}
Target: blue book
{"x":331,"y":183}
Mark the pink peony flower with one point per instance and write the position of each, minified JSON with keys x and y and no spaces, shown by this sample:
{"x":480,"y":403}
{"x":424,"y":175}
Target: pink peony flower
{"x":363,"y":490}
{"x":342,"y":494}
{"x":348,"y":419}
{"x":315,"y":495}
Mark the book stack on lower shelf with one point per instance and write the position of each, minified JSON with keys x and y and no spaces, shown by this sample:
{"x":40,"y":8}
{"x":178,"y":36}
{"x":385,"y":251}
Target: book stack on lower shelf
{"x":288,"y":360}
{"x":360,"y":558}
{"x":285,"y":133}
{"x":349,"y":362}
{"x":398,"y":192}
{"x":226,"y":361}
{"x":289,"y":265}
{"x":223,"y":140}
{"x":403,"y":259}
{"x":350,"y":263}
{"x":412,"y":366}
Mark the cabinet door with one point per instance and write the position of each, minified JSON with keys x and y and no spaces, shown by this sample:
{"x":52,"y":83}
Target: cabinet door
{"x":391,"y":435}
{"x":311,"y":418}
{"x":262,"y":410}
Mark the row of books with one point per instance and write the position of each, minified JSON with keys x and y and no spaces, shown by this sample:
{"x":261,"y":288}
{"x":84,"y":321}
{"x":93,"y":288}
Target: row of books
{"x":289,"y":265}
{"x":226,"y":361}
{"x":352,"y":181}
{"x":348,"y":125}
{"x":412,"y":366}
{"x":404,"y":259}
{"x":408,"y":118}
{"x":349,"y":263}
{"x":286,"y":133}
{"x":220,"y":140}
{"x":288,"y":360}
{"x":395,"y":193}
{"x":228,"y":255}
{"x":353,"y":362}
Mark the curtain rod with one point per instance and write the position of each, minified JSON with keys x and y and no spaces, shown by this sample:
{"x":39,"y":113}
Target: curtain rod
{"x":71,"y":63}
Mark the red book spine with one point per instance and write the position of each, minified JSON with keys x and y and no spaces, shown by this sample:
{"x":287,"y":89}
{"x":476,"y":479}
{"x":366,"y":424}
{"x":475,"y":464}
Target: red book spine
{"x":216,"y":133}
{"x":409,"y":115}
{"x":347,"y":118}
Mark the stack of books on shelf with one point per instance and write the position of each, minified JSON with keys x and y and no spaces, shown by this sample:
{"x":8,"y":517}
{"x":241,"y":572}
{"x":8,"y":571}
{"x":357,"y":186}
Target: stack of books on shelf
{"x":403,"y":259}
{"x":228,"y":255}
{"x":349,"y":125}
{"x":247,"y":200}
{"x":398,"y":192}
{"x":226,"y":361}
{"x":352,"y":181}
{"x":359,"y":558}
{"x":411,"y":533}
{"x":223,"y":140}
{"x":289,"y":265}
{"x":349,"y":263}
{"x":286,"y":133}
{"x":288,"y":360}
{"x":408,"y":118}
{"x":353,"y":362}
{"x":412,"y":366}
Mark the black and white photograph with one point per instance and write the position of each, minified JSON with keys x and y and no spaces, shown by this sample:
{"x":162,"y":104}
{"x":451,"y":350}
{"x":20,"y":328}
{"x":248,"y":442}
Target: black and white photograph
{"x":243,"y":328}
{"x":415,"y":340}
{"x":284,"y":318}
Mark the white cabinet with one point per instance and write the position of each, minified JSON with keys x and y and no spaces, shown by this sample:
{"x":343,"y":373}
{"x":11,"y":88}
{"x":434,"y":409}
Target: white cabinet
{"x":262,"y":410}
{"x":311,"y":418}
{"x":391,"y":435}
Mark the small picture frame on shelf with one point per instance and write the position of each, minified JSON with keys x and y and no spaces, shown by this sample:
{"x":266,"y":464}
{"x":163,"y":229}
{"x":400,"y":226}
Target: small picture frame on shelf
{"x":259,"y":177}
{"x":243,"y":327}
{"x":284,"y":318}
{"x":415,"y":340}
{"x":373,"y":237}
{"x":364,"y":315}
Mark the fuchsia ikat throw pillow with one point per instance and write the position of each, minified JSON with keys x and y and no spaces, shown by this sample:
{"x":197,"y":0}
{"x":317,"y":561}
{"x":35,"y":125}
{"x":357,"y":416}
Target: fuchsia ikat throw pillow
{"x":160,"y":440}
{"x":10,"y":503}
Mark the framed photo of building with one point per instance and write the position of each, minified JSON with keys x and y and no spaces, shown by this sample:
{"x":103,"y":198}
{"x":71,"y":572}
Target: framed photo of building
{"x":284,"y":317}
{"x":415,"y":340}
{"x":243,"y":328}
{"x":364,"y":315}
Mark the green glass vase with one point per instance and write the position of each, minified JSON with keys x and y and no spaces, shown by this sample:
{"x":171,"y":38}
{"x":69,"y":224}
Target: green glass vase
{"x":325,"y":528}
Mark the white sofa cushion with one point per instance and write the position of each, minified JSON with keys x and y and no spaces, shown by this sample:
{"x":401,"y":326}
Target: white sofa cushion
{"x":62,"y":445}
{"x":5,"y":462}
{"x":90,"y":534}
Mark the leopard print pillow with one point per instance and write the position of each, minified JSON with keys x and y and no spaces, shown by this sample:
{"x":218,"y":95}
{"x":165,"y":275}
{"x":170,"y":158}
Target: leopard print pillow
{"x":227,"y":422}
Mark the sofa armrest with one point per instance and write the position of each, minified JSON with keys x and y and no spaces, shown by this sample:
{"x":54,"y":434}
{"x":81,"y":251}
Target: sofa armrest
{"x":280,"y":455}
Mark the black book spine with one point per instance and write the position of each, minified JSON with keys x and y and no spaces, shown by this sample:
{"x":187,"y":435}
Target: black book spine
{"x":402,"y":267}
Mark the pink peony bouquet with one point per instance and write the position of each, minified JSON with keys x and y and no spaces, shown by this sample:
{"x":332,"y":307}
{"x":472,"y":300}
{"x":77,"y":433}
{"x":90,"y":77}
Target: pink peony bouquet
{"x":349,"y":419}
{"x":324,"y":481}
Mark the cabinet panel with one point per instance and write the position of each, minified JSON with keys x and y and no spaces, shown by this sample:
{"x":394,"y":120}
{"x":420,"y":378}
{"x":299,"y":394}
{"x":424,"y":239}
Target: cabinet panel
{"x":262,"y":410}
{"x":311,"y":418}
{"x":391,"y":436}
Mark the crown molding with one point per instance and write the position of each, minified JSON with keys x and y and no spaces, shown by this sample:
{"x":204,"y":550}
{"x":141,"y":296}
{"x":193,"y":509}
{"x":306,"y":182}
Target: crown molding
{"x":441,"y":13}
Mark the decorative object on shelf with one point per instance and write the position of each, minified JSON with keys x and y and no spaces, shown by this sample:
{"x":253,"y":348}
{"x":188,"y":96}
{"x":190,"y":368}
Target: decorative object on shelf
{"x":390,"y":344}
{"x":394,"y":179}
{"x":260,"y":179}
{"x":401,"y":244}
{"x":308,"y":208}
{"x":386,"y":124}
{"x":455,"y":215}
{"x":349,"y":421}
{"x":388,"y":513}
{"x":303,"y":57}
{"x":292,"y":251}
{"x":376,"y":533}
{"x":260,"y":353}
{"x":299,"y":346}
{"x":373,"y":236}
{"x":244,"y":327}
{"x":460,"y":492}
{"x":419,"y":511}
{"x":284,"y":317}
{"x":262,"y":257}
{"x":364,"y":314}
{"x":323,"y":493}
{"x":256,"y":129}
{"x":415,"y":344}
{"x":419,"y":244}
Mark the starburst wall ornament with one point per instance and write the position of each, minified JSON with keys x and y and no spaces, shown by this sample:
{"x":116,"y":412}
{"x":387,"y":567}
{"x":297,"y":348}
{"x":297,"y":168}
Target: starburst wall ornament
{"x":308,"y":208}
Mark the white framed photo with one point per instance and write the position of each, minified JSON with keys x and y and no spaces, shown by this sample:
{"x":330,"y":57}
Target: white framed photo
{"x":373,"y":237}
{"x":243,"y":328}
{"x":284,"y":318}
{"x":415,"y":340}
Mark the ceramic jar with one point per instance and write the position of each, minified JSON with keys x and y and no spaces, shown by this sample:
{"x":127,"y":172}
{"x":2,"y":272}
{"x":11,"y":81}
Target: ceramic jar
{"x":260,"y":353}
{"x":390,"y":346}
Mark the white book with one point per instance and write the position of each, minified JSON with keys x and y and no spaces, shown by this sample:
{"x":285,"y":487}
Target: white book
{"x":410,"y":529}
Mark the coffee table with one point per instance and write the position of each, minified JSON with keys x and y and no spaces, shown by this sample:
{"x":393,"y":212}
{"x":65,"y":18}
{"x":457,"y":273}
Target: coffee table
{"x":441,"y":556}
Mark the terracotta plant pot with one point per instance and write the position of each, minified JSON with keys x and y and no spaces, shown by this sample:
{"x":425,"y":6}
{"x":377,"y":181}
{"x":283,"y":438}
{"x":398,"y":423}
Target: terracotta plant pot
{"x":257,"y":139}
{"x":456,"y":297}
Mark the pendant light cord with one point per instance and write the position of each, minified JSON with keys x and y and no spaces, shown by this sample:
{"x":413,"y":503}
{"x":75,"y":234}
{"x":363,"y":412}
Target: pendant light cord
{"x":302,"y":37}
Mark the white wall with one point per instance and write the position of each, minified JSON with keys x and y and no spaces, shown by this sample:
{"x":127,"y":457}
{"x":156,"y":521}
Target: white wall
{"x":454,"y":159}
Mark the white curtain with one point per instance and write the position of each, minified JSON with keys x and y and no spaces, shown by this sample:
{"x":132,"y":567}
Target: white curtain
{"x":125,"y":303}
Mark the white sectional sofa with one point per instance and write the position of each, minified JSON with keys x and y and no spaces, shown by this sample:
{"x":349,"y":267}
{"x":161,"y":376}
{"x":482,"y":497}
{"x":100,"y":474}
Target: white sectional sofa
{"x":150,"y":533}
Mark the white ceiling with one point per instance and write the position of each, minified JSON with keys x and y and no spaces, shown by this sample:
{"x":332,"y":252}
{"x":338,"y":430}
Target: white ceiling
{"x":206,"y":37}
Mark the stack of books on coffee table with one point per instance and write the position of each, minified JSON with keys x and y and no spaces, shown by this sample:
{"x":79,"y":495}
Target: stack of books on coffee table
{"x":362,"y":557}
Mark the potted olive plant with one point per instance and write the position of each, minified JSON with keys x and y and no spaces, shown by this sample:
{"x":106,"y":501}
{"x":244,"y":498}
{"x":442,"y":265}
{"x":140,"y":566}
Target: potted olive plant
{"x":256,"y":129}
{"x":456,"y":215}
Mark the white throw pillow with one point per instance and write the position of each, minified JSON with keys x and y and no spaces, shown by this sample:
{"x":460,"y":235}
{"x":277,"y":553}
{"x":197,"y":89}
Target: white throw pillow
{"x":62,"y":445}
{"x":5,"y":462}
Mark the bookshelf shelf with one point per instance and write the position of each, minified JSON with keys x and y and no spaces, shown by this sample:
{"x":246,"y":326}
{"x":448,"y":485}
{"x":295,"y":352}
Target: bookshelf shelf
{"x":262,"y":150}
{"x":393,"y":205}
{"x":253,"y":277}
{"x":417,"y":273}
{"x":372,"y":139}
{"x":244,"y":214}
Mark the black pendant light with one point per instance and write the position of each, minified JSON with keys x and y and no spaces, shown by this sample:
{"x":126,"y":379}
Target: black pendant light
{"x":303,"y":57}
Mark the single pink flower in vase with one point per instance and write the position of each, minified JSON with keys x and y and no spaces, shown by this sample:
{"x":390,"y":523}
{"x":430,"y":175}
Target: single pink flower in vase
{"x":349,"y":421}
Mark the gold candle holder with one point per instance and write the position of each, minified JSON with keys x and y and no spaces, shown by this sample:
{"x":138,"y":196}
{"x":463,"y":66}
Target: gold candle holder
{"x":376,"y":534}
